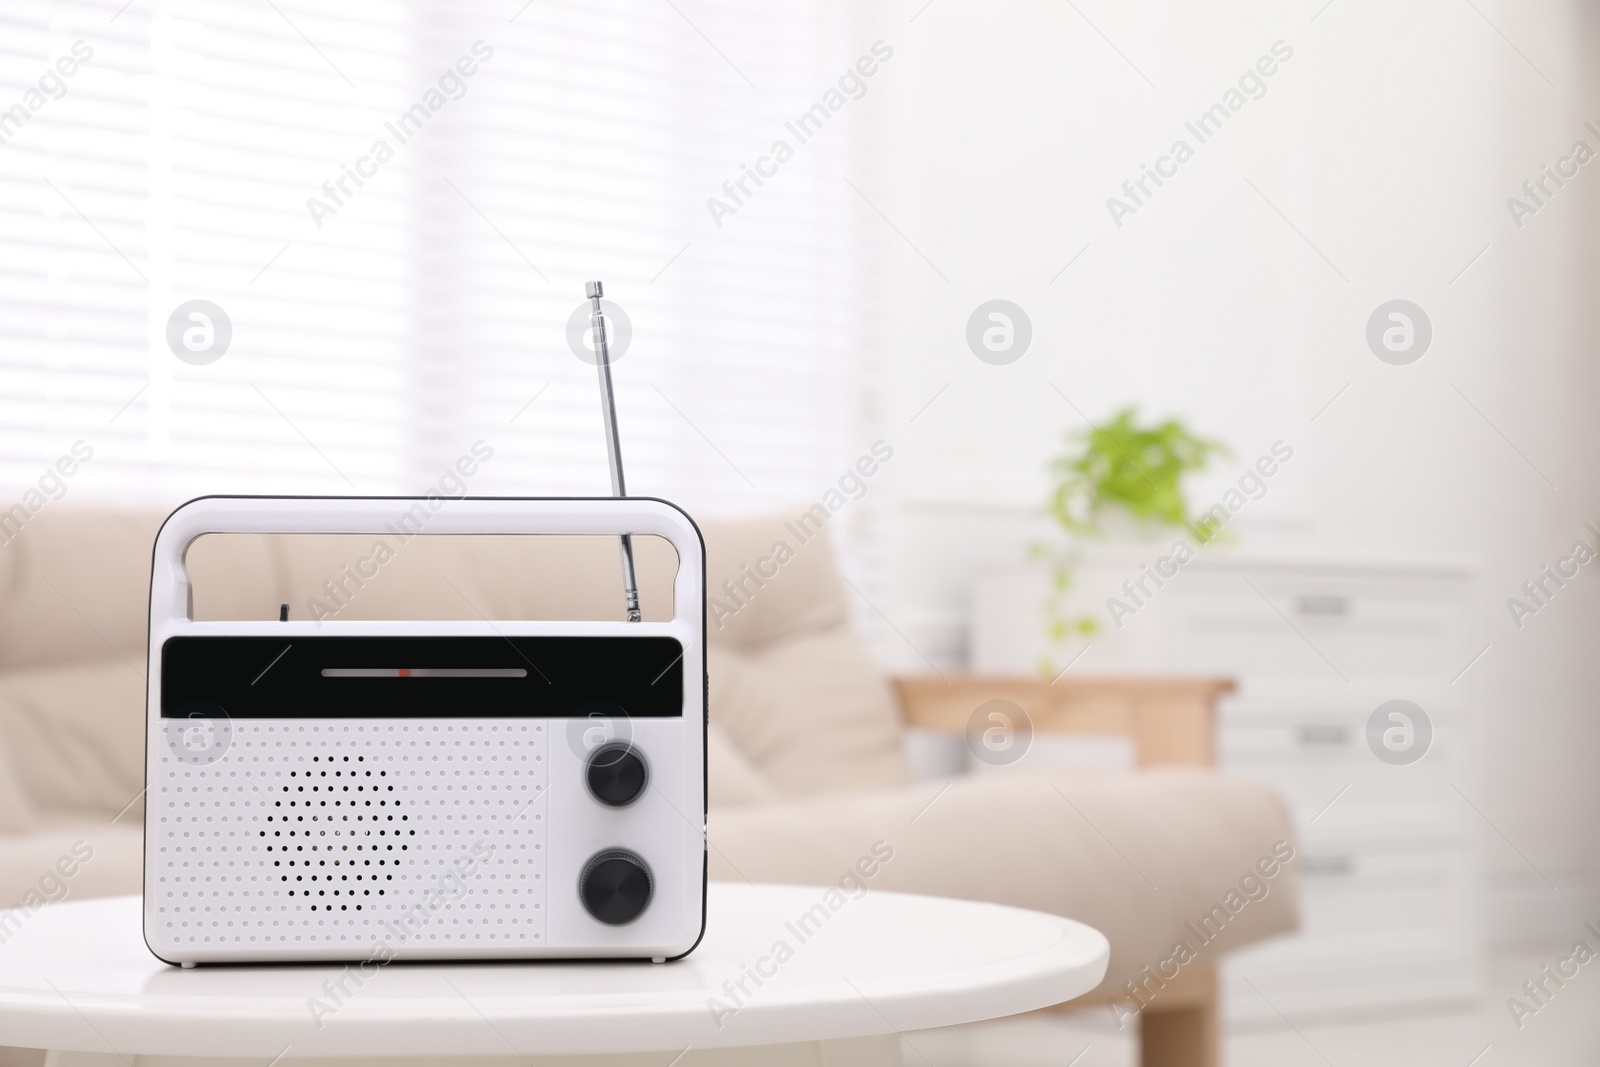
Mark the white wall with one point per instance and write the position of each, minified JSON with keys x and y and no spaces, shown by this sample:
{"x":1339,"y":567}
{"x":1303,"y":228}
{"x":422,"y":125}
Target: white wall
{"x":1390,"y":141}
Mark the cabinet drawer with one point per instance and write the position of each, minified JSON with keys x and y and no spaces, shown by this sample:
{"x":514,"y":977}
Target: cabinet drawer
{"x":1325,"y":771}
{"x":1291,"y":626}
{"x":1351,"y":894}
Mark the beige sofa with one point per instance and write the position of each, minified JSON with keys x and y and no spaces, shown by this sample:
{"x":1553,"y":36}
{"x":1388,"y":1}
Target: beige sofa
{"x":806,"y":766}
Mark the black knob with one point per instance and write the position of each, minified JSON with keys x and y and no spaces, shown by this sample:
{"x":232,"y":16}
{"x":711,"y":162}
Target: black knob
{"x":615,"y":886}
{"x":617,"y":774}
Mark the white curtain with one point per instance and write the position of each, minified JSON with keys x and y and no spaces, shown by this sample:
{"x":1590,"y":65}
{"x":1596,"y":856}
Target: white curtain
{"x":395,"y":207}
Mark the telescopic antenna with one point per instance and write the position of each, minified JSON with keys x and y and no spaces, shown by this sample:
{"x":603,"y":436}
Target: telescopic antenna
{"x":608,"y":410}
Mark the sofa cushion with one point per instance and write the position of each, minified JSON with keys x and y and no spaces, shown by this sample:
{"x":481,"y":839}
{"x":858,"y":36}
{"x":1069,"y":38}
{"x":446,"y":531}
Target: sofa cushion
{"x":75,"y":586}
{"x":813,"y":713}
{"x":797,"y":695}
{"x":1135,"y":856}
{"x":731,"y":778}
{"x":75,"y":734}
{"x":765,"y":584}
{"x":76,"y":583}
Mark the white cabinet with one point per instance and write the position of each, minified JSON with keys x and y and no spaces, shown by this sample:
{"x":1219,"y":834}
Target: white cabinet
{"x":1391,"y":877}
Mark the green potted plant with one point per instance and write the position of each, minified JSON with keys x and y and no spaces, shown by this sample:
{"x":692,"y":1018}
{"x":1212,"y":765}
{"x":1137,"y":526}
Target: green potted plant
{"x":1127,"y":475}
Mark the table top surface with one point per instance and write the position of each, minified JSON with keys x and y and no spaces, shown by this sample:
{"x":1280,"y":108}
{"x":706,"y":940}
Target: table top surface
{"x":76,"y":976}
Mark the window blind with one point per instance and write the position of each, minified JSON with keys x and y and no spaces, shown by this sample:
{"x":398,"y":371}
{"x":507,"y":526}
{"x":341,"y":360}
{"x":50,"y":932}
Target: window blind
{"x":391,"y":306}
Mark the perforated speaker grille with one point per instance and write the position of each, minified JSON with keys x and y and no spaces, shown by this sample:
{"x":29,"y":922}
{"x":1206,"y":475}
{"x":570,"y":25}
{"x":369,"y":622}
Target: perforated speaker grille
{"x":421,"y":834}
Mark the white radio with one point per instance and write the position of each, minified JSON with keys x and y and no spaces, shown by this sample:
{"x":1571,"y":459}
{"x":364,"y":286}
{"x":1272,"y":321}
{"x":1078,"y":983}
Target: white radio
{"x":349,"y":790}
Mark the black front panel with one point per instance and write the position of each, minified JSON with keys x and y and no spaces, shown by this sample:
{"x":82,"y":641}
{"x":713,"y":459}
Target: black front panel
{"x":422,"y":677}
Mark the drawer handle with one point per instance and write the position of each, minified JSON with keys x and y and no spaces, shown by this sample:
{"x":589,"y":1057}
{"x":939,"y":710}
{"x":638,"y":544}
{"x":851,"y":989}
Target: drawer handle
{"x":1324,"y":735}
{"x":1330,"y":606}
{"x":1328,"y":866}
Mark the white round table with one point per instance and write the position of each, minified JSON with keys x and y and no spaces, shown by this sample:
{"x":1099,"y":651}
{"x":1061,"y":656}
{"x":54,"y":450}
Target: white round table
{"x":77,"y":979}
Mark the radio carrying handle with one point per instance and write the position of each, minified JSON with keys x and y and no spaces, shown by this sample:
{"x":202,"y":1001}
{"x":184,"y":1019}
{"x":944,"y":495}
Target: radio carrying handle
{"x":171,"y":595}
